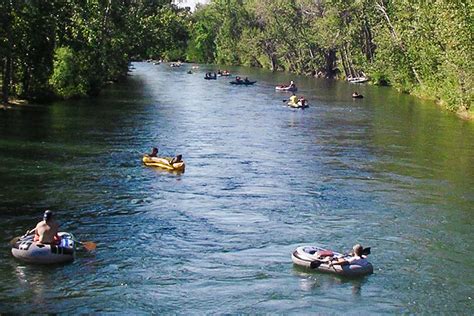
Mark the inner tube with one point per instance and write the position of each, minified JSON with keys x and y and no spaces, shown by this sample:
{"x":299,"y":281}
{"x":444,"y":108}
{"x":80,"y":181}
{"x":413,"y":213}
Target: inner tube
{"x":163,"y":162}
{"x":358,"y":79}
{"x":28,"y":250}
{"x":286,"y":88}
{"x":245,"y":83}
{"x":298,"y":105}
{"x":316,"y":258}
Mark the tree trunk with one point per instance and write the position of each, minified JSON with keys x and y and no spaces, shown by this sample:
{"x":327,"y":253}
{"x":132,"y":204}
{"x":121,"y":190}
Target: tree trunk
{"x":273,"y":61}
{"x":6,"y":79}
{"x":25,"y":81}
{"x":349,"y":62}
{"x":344,"y":63}
{"x":7,"y":63}
{"x":368,"y":42}
{"x":380,"y":6}
{"x":330,"y":57}
{"x":104,"y":33}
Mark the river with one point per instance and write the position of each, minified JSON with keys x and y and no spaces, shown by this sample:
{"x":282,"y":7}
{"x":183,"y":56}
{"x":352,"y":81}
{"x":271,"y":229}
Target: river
{"x":388,"y":171}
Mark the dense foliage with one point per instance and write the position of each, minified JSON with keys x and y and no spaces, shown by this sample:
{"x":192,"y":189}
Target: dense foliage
{"x":419,"y":47}
{"x":71,"y":48}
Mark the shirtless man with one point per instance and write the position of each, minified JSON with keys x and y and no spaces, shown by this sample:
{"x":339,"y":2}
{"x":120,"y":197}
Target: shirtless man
{"x":46,"y":231}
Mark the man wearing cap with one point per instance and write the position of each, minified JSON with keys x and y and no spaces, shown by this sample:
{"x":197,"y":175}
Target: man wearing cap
{"x":46,"y":231}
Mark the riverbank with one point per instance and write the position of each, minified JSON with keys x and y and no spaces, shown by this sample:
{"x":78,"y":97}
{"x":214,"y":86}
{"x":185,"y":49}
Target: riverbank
{"x":465,"y":114}
{"x":12,"y":103}
{"x":462,"y":112}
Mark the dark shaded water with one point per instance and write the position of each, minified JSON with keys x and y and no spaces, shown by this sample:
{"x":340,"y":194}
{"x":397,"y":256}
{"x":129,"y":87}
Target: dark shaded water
{"x":388,"y":171}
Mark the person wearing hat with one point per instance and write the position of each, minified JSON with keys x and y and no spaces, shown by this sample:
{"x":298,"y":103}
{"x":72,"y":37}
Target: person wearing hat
{"x":46,"y":231}
{"x":356,"y":258}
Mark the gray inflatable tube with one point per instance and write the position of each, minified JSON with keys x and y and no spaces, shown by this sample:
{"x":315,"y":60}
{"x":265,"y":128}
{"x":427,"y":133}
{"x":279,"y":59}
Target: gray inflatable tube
{"x":27,"y":250}
{"x":317,"y":258}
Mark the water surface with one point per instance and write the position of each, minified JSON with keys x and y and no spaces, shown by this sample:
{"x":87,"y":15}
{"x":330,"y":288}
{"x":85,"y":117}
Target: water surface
{"x":388,"y":171}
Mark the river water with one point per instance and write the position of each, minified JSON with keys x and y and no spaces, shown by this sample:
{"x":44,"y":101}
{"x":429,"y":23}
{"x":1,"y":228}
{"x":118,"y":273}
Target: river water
{"x":388,"y":171}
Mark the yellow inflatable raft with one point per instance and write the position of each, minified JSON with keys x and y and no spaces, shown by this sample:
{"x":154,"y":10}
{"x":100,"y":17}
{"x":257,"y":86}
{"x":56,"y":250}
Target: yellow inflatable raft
{"x":164,"y":163}
{"x":299,"y":105}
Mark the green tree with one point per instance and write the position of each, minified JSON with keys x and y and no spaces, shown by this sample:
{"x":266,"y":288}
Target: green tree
{"x":94,"y":40}
{"x":67,"y":79}
{"x":203,"y":31}
{"x":6,"y":41}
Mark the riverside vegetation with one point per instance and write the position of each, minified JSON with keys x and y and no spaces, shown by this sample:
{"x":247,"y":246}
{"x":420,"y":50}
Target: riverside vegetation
{"x":72,"y":48}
